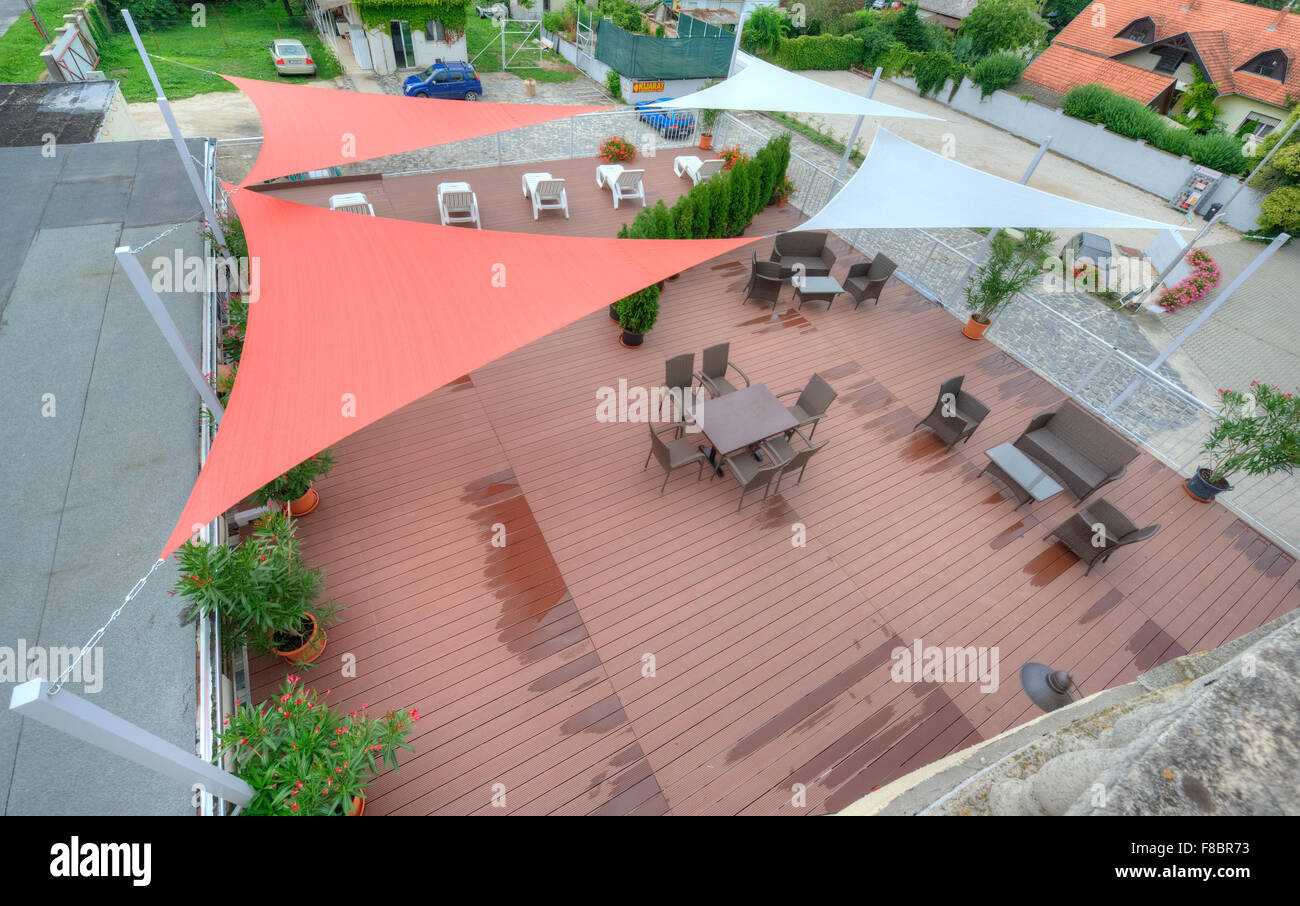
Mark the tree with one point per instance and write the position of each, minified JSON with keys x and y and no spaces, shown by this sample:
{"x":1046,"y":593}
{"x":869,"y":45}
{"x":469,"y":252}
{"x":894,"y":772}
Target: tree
{"x":908,"y":29}
{"x":764,"y":29}
{"x":1060,"y":13}
{"x":1200,"y":114}
{"x":996,"y":25}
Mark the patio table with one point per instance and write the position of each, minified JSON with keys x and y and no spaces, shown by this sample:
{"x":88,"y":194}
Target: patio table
{"x":817,"y":289}
{"x":742,"y":419}
{"x":1021,"y":474}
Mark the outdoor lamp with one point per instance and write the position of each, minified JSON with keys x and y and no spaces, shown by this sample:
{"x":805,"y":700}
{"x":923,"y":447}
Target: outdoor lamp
{"x":1047,"y":688}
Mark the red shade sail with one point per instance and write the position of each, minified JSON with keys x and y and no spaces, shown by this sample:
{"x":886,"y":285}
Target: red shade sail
{"x":357,"y":316}
{"x":308,"y":128}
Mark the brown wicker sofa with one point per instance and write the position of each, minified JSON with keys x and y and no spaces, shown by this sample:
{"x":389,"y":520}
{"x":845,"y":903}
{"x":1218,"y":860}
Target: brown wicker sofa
{"x":806,"y":249}
{"x":1083,"y":453}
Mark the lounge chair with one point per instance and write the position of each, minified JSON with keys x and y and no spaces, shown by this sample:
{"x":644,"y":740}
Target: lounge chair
{"x":457,"y":203}
{"x":622,"y":183}
{"x":547,"y":193}
{"x":673,"y":455}
{"x":781,"y":450}
{"x":765,"y":281}
{"x":751,"y":473}
{"x":956,"y":414}
{"x":698,"y":170}
{"x":1100,"y":521}
{"x":353,"y":202}
{"x":1077,"y":448}
{"x":813,"y":402}
{"x":866,"y":279}
{"x":713,"y":371}
{"x":803,"y":250}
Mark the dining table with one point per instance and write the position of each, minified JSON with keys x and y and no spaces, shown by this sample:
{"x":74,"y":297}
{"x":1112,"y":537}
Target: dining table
{"x":740,"y":420}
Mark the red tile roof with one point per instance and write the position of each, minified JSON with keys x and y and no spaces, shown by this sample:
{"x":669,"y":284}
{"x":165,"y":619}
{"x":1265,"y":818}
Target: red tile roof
{"x":1226,"y":35}
{"x":1060,"y":68}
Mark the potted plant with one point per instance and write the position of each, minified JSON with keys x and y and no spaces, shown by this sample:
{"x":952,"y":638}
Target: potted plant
{"x":262,"y":591}
{"x":616,"y":150}
{"x":732,"y":156}
{"x":637,"y":314}
{"x":303,"y":757}
{"x":1256,"y":433}
{"x":1011,"y":266}
{"x":708,"y":119}
{"x":294,"y":487}
{"x":782,"y":192}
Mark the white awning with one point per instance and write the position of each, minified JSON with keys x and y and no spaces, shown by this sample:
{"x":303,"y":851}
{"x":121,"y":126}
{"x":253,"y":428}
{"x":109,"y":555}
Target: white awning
{"x":762,"y":86}
{"x":903,"y":185}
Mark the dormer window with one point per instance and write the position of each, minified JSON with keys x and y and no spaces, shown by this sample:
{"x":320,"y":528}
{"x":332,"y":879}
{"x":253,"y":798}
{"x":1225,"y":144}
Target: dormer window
{"x":1142,"y":31}
{"x":1270,"y":65}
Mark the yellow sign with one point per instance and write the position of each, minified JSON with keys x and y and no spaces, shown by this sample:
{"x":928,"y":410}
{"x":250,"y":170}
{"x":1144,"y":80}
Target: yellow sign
{"x":638,"y":87}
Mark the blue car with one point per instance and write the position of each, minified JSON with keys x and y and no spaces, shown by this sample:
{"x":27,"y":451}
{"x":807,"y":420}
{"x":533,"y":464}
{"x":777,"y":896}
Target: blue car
{"x":670,"y":123}
{"x":445,"y":80}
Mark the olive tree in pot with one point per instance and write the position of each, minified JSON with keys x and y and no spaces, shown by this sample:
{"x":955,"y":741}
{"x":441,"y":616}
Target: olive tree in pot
{"x":1255,"y":433}
{"x":1011,"y":266}
{"x":637,"y":314}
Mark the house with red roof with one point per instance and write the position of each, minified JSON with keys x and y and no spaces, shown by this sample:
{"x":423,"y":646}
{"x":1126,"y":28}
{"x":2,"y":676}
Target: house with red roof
{"x":1150,"y":50}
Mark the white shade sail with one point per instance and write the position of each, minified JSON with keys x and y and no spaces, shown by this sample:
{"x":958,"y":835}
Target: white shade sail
{"x":903,"y":185}
{"x":762,"y":86}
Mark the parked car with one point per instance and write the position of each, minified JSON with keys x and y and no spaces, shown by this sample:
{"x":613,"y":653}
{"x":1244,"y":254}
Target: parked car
{"x":291,"y":58}
{"x":670,"y":123}
{"x":495,"y":11}
{"x":1088,"y":250}
{"x":445,"y":80}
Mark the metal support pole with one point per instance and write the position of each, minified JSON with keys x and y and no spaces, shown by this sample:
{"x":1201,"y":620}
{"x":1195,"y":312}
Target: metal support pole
{"x":77,"y":717}
{"x":169,"y":330}
{"x":848,"y":148}
{"x":1202,"y":317}
{"x":208,"y":211}
{"x":1024,"y":181}
{"x":735,"y":47}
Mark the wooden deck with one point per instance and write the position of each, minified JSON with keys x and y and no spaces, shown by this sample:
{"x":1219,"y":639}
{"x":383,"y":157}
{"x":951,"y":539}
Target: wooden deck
{"x":631,"y":653}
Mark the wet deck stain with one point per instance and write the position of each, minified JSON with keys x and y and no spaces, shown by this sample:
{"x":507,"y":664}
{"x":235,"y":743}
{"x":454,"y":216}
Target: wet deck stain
{"x":1050,"y":565}
{"x":461,"y":383}
{"x":1104,"y":605}
{"x":839,"y":372}
{"x":865,"y":396}
{"x":776,"y":512}
{"x":894,"y":425}
{"x":998,"y":363}
{"x":1011,"y":533}
{"x":1152,"y":646}
{"x":605,"y":715}
{"x":923,"y":444}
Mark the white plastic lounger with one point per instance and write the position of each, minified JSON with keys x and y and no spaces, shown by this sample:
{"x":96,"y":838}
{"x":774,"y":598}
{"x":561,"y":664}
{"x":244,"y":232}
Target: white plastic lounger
{"x":547,"y":193}
{"x":351,"y":201}
{"x":622,"y":183}
{"x":698,"y":170}
{"x":457,"y":203}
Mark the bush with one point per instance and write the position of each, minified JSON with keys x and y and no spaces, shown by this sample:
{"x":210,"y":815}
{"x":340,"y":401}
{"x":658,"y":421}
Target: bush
{"x":932,"y":70}
{"x":614,"y":85}
{"x":908,"y":29}
{"x":764,"y":30}
{"x":1281,"y":210}
{"x":553,"y":22}
{"x":1205,"y":275}
{"x":819,"y":52}
{"x":997,"y":71}
{"x":638,"y":312}
{"x":875,"y":44}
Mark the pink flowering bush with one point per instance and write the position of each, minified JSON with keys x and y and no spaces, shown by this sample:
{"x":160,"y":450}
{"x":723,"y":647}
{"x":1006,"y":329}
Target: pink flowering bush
{"x":1196,"y":286}
{"x":302,"y":757}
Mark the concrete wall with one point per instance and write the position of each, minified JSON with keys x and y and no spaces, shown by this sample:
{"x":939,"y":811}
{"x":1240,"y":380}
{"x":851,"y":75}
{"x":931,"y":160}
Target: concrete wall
{"x":118,"y":125}
{"x":428,"y":52}
{"x":1133,"y":162}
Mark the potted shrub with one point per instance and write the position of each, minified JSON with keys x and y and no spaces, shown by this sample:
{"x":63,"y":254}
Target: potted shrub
{"x":302,"y":757}
{"x":1255,"y":433}
{"x":1011,"y":266}
{"x":732,"y":156}
{"x":783,"y":191}
{"x":294,"y":487}
{"x":262,"y":591}
{"x":637,"y":314}
{"x":708,"y":119}
{"x":616,"y":150}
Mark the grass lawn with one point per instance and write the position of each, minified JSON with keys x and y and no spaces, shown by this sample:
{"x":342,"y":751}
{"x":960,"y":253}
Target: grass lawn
{"x":481,"y":33}
{"x":21,"y":45}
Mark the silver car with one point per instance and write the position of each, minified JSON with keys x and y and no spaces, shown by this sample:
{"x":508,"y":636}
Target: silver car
{"x":291,"y":58}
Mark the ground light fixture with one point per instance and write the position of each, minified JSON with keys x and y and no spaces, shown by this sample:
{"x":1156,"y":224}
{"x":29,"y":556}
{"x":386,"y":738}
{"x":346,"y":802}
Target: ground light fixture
{"x":1047,"y":688}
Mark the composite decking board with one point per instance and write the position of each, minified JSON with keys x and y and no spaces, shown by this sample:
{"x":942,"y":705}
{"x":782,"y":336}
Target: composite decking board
{"x":527,"y":665}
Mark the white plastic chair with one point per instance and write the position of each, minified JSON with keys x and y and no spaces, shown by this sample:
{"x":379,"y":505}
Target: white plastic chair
{"x":457,"y":203}
{"x":698,"y":170}
{"x":622,"y":183}
{"x":354,"y":202}
{"x":547,"y":193}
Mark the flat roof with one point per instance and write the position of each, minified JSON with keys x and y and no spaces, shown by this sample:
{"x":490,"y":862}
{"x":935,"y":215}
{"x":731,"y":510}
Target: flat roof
{"x":73,"y":112}
{"x":100,"y":450}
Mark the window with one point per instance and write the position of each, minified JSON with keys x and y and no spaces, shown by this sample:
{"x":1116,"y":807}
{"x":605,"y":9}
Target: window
{"x":1270,"y":65}
{"x":434,"y":31}
{"x":1170,"y":59}
{"x":455,"y":76}
{"x":1143,"y":31}
{"x":1258,"y":125}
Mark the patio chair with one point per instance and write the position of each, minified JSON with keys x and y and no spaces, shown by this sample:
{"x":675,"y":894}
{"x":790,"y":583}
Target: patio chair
{"x":698,"y":170}
{"x":713,"y":371}
{"x":679,"y":374}
{"x":751,"y":473}
{"x":781,"y":450}
{"x":866,"y":279}
{"x":956,"y":414}
{"x":547,"y":193}
{"x":765,"y":281}
{"x":803,"y":250}
{"x":1077,"y":448}
{"x":353,"y":202}
{"x":1100,"y":520}
{"x":673,"y":455}
{"x":622,"y":183}
{"x":813,"y":402}
{"x":457,"y":203}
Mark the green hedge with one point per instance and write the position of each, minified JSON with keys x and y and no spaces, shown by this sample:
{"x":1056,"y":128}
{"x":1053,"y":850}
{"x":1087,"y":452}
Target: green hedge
{"x":997,"y":71}
{"x":1132,"y":119}
{"x":819,"y":52}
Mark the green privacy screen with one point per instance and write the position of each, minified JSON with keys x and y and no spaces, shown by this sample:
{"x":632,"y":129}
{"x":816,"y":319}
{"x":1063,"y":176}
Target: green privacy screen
{"x":690,"y":27}
{"x":644,"y":57}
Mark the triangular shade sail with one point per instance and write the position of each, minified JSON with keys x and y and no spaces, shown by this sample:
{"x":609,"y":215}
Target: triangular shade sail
{"x":308,"y":128}
{"x":902,"y":185}
{"x":357,"y":316}
{"x":762,"y":86}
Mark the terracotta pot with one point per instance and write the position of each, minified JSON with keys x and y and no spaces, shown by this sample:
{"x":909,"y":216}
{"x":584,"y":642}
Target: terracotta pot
{"x":309,"y":651}
{"x":974,"y":329}
{"x":305,"y":504}
{"x":673,"y":277}
{"x":706,"y":142}
{"x":358,"y":806}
